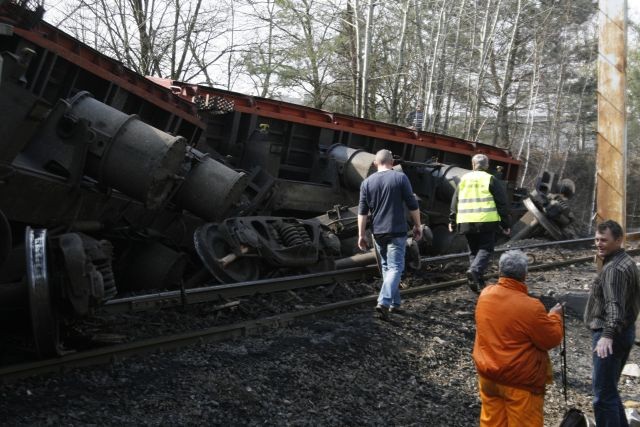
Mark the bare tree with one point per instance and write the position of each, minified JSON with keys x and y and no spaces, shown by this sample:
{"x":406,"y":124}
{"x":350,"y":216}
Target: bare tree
{"x":501,"y":133}
{"x":394,"y":116}
{"x":366,"y":54}
{"x":486,"y":39}
{"x":454,"y":68}
{"x":426,"y":106}
{"x":308,"y":27}
{"x":265,"y":54}
{"x":498,"y":71}
{"x":152,"y":37}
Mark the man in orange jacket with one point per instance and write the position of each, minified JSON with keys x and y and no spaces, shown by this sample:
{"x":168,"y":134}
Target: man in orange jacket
{"x":513,"y":335}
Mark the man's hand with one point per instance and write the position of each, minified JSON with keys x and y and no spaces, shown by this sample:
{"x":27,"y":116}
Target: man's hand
{"x":604,"y":347}
{"x":557,"y":309}
{"x":362,"y":243}
{"x":450,"y":227}
{"x":417,"y":232}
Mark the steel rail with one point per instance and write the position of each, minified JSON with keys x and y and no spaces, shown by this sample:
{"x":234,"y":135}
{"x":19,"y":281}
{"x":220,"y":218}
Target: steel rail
{"x":233,"y":290}
{"x":198,"y":295}
{"x":218,"y":333}
{"x":635,"y":235}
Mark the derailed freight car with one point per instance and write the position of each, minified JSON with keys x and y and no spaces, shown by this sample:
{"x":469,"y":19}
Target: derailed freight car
{"x":113,"y":183}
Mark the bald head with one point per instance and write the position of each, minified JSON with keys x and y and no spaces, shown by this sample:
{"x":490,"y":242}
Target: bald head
{"x":480,"y":162}
{"x":384,"y":157}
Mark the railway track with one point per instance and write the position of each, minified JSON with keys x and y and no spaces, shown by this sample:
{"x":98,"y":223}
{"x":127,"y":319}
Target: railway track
{"x":112,"y":353}
{"x":185,"y":297}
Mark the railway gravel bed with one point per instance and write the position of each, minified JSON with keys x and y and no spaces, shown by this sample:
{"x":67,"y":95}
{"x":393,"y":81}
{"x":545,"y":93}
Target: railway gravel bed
{"x":348,"y":368}
{"x":116,"y":328}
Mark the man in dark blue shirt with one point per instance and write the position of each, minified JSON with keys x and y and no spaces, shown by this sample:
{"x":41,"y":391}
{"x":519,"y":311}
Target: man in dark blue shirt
{"x":385,"y":194}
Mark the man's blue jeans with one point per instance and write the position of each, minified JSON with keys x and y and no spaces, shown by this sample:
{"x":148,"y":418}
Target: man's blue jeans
{"x":392,"y":263}
{"x":607,"y":405}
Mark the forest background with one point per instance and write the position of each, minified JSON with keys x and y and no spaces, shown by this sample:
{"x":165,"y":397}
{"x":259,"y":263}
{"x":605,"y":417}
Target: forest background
{"x":517,"y":74}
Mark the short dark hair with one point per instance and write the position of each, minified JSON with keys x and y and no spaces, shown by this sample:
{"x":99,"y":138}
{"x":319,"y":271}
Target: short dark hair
{"x":616,"y":229}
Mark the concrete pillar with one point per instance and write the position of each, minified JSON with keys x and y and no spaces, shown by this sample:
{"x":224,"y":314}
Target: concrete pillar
{"x":612,"y":135}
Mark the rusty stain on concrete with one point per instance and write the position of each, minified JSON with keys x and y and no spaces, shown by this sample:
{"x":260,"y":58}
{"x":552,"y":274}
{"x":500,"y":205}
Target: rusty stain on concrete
{"x":612,"y":138}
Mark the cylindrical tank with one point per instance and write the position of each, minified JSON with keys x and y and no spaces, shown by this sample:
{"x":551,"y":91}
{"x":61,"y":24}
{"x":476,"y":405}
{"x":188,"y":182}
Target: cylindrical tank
{"x":448,"y":178}
{"x":210,"y":188}
{"x":355,"y":165}
{"x":127,"y":154}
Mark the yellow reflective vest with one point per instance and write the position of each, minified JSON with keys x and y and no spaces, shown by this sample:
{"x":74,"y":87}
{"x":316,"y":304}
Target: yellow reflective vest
{"x":475,"y":201}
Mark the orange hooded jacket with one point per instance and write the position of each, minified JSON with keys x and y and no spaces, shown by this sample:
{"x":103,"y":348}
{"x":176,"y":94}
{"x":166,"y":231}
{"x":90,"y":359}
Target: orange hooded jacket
{"x":513,"y":334}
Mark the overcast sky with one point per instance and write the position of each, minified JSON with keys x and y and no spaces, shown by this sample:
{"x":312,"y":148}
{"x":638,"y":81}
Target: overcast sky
{"x":634,"y":10}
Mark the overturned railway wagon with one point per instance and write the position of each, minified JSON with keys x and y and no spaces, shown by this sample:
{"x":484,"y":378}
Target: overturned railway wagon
{"x":114,"y":184}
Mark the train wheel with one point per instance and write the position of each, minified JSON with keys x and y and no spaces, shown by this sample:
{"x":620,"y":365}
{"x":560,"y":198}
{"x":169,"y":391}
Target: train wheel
{"x":217,"y":255}
{"x":44,"y":320}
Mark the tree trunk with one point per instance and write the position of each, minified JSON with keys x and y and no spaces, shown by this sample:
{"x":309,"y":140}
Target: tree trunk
{"x":487,"y":34}
{"x":533,"y":96}
{"x":577,"y":123}
{"x":440,"y":81}
{"x":232,"y":34}
{"x":394,"y":116}
{"x":467,"y":103}
{"x":354,"y":6}
{"x":501,"y":132}
{"x":146,"y":50}
{"x":454,"y":68}
{"x":426,"y":107}
{"x":368,"y":31}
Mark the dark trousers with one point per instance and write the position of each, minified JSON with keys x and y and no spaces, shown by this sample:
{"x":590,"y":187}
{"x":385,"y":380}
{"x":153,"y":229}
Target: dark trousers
{"x":607,"y":405}
{"x":481,"y":249}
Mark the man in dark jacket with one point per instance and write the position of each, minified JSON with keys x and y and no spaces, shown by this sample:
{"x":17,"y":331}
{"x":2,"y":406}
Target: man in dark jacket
{"x":480,"y":209}
{"x":610,"y":314}
{"x":385,"y":194}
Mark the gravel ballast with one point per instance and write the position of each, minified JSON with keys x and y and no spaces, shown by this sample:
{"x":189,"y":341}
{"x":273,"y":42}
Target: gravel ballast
{"x":347,"y":368}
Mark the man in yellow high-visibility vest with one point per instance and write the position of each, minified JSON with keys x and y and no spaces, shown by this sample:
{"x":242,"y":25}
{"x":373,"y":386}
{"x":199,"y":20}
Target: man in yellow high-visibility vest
{"x":480,"y":209}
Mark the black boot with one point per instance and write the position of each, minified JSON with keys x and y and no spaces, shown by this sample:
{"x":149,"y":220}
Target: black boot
{"x":481,"y":283}
{"x":473,"y":281}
